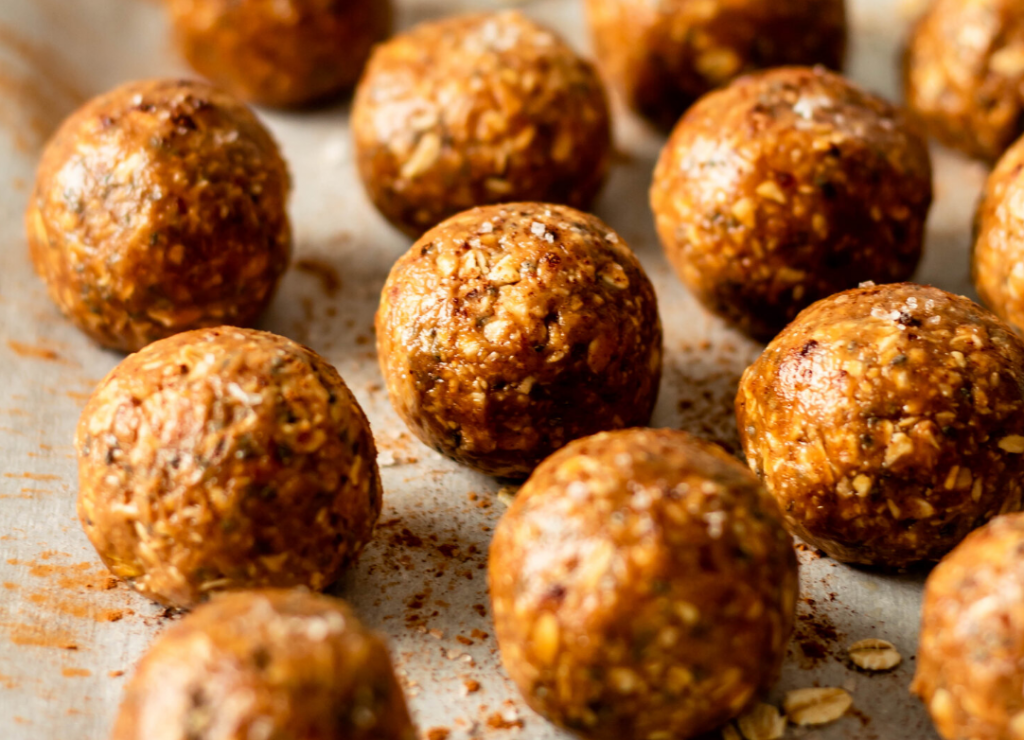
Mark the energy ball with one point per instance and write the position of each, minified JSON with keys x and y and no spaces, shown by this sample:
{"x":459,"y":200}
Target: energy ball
{"x":508,"y":331}
{"x":474,"y":110}
{"x":963,"y":74}
{"x":266,"y":664}
{"x":225,"y":459}
{"x":971,"y":650}
{"x":998,"y":258}
{"x":280,"y":52}
{"x":642,"y":586}
{"x":888,"y":422}
{"x":786,"y":187}
{"x":662,"y":56}
{"x":160,"y":207}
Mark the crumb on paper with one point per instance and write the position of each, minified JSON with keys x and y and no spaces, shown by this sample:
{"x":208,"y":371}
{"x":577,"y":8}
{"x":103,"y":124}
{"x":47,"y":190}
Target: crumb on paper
{"x":507,"y":494}
{"x":874,"y":654}
{"x":816,"y":706}
{"x":762,"y":722}
{"x":497,"y":721}
{"x":325,"y":272}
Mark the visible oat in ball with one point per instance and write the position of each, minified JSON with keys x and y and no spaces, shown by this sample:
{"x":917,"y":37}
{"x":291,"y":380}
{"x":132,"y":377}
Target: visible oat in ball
{"x":888,"y":422}
{"x":963,"y":74}
{"x":225,"y":459}
{"x":662,"y":56}
{"x":997,"y":260}
{"x":786,"y":187}
{"x":508,"y":331}
{"x":266,"y":664}
{"x":478,"y":109}
{"x":160,"y":207}
{"x":280,"y":52}
{"x":971,"y":649}
{"x":642,"y":586}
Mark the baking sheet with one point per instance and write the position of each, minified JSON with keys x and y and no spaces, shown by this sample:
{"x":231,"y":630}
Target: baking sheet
{"x":69,"y":634}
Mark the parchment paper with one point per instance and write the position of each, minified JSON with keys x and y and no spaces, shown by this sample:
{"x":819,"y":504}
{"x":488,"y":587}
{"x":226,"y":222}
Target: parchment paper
{"x":69,"y":633}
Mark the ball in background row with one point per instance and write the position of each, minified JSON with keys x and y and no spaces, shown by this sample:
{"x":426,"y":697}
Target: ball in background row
{"x":962,"y":74}
{"x":478,"y":109}
{"x":664,"y":56}
{"x":788,"y":186}
{"x":282,"y":53}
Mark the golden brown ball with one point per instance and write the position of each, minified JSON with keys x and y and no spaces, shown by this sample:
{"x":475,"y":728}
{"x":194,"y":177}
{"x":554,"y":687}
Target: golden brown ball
{"x":642,"y":586}
{"x":280,"y":52}
{"x":478,"y":109}
{"x":888,"y":422}
{"x":266,"y":664}
{"x":963,"y":74}
{"x":997,"y":260}
{"x":223,"y":459}
{"x":160,"y":207}
{"x":662,"y":56}
{"x":508,"y":331}
{"x":786,"y":187}
{"x":971,"y":649}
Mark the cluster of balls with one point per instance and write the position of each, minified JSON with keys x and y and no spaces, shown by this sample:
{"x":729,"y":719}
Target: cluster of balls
{"x":644,"y":582}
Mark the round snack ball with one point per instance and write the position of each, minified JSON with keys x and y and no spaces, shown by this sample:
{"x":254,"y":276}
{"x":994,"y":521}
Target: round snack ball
{"x":971,"y":649}
{"x":508,"y":331}
{"x":786,"y":187}
{"x":160,"y":207}
{"x":642,"y":586}
{"x":662,"y":56}
{"x":280,"y":52}
{"x":888,"y":422}
{"x":998,"y":258}
{"x":225,"y":459}
{"x":478,"y":109}
{"x":266,"y":664}
{"x":963,"y":74}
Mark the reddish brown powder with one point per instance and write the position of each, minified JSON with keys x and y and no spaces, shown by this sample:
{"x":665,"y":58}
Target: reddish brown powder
{"x":79,"y":576}
{"x":33,"y":476}
{"x":39,"y":635}
{"x":329,"y":279}
{"x":815,"y":637}
{"x":497,"y":722}
{"x":36,"y":353}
